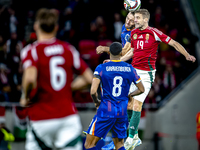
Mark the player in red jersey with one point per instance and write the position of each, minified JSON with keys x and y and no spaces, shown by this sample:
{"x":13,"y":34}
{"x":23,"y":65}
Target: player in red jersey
{"x":49,"y":65}
{"x":144,"y":45}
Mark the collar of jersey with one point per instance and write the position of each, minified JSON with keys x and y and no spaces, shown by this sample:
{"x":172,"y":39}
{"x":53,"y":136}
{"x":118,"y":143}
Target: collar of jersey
{"x":129,"y":29}
{"x":115,"y":60}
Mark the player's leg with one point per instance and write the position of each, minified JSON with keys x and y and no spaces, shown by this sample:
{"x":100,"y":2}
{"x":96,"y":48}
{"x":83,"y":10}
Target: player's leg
{"x":147,"y":80}
{"x":119,"y":143}
{"x":39,"y":135}
{"x":68,"y":136}
{"x":91,"y":141}
{"x":99,"y":127}
{"x":119,"y":133}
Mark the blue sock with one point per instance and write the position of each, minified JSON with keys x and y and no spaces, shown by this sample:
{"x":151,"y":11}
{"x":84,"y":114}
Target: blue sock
{"x":95,"y":148}
{"x":122,"y":148}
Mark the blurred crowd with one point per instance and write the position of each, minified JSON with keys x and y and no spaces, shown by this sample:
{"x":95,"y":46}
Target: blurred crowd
{"x":87,"y":24}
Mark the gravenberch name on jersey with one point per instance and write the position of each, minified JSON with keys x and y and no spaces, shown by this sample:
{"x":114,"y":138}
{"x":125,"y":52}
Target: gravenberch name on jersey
{"x":118,"y":68}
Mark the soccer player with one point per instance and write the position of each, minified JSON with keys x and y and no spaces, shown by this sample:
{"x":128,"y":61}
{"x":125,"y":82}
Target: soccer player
{"x":128,"y":26}
{"x":125,"y":35}
{"x":49,"y":65}
{"x":115,"y":78}
{"x":144,"y":45}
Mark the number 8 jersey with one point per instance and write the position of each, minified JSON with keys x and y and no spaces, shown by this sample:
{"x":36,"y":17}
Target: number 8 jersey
{"x":116,"y":78}
{"x":56,"y":62}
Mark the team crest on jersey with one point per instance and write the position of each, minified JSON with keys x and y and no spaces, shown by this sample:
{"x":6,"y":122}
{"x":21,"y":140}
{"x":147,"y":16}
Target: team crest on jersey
{"x":134,"y":36}
{"x":147,"y":38}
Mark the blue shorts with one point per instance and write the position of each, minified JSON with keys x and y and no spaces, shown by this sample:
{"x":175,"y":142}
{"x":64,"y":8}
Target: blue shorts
{"x":100,"y":126}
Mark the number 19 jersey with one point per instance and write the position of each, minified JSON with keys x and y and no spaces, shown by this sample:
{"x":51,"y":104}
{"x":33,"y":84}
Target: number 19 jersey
{"x":116,"y":78}
{"x":145,"y":43}
{"x":56,"y":62}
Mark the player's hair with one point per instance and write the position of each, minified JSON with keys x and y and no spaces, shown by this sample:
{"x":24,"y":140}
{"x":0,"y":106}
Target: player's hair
{"x":133,"y":13}
{"x":47,"y":19}
{"x":115,"y":48}
{"x":145,"y":13}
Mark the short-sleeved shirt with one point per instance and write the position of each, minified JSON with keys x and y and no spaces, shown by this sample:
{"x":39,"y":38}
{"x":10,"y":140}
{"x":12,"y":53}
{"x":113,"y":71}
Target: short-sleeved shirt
{"x":56,"y":62}
{"x":116,"y":78}
{"x":145,"y":43}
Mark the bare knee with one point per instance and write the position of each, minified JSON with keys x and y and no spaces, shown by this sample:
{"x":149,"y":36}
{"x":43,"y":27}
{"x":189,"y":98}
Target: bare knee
{"x":137,"y":105}
{"x":130,"y":104}
{"x":91,"y":141}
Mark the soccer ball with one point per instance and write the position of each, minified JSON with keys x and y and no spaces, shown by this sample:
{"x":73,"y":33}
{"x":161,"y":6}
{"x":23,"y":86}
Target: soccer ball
{"x":132,"y":5}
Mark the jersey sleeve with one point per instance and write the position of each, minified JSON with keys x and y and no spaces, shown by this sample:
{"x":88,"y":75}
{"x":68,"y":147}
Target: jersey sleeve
{"x":29,"y":56}
{"x":136,"y":77}
{"x":131,"y":39}
{"x":79,"y":65}
{"x":160,"y":36}
{"x":98,"y":72}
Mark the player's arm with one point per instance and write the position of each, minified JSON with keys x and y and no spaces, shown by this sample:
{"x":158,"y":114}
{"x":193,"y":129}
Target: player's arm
{"x":128,"y":55}
{"x":101,"y":49}
{"x":182,"y":50}
{"x":29,"y":81}
{"x":126,"y":48}
{"x":93,"y":91}
{"x":139,"y":90}
{"x":82,"y":80}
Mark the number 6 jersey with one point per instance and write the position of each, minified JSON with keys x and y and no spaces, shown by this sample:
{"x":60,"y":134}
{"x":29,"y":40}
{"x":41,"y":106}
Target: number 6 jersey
{"x":56,"y":62}
{"x":116,"y":78}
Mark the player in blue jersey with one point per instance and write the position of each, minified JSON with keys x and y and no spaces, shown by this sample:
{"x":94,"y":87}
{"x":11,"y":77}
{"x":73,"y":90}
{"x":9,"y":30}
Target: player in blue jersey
{"x":115,"y":78}
{"x":128,"y":26}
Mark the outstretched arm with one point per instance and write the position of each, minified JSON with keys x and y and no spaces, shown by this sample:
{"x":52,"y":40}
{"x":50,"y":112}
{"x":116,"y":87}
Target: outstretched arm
{"x":128,"y":55}
{"x":182,"y":50}
{"x":126,"y":48}
{"x":102,"y":49}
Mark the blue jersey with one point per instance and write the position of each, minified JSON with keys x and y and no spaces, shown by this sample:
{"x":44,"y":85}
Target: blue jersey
{"x":116,"y":78}
{"x":125,"y":35}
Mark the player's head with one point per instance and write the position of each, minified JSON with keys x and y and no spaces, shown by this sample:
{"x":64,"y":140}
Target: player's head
{"x":129,"y":22}
{"x":116,"y":49}
{"x":142,"y":17}
{"x":46,"y":20}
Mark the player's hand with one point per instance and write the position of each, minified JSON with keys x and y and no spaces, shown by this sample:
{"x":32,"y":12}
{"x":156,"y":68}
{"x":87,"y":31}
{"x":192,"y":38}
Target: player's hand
{"x":25,"y":102}
{"x":190,"y":58}
{"x":99,"y":49}
{"x":106,"y":60}
{"x":98,"y":103}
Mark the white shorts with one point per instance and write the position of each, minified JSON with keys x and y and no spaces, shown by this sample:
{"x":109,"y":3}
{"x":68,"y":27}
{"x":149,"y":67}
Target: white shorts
{"x":63,"y":133}
{"x":147,"y":78}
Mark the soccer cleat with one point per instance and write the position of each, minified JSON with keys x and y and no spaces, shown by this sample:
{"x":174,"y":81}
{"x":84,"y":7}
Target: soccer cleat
{"x":131,"y":143}
{"x":109,"y":146}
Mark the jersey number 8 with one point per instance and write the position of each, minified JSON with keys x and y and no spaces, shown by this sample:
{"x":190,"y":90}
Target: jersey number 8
{"x":117,"y":89}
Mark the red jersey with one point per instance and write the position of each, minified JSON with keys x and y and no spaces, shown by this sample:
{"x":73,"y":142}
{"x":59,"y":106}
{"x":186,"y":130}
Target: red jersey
{"x":145,"y":44}
{"x":56,"y":62}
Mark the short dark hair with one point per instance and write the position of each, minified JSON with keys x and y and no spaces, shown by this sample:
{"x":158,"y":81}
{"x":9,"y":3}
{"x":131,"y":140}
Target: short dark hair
{"x":115,"y":48}
{"x":47,"y":19}
{"x":145,"y":13}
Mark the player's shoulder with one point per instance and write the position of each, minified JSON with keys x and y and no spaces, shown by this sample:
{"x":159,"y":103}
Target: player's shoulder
{"x":154,"y":30}
{"x":134,"y":30}
{"x":24,"y":52}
